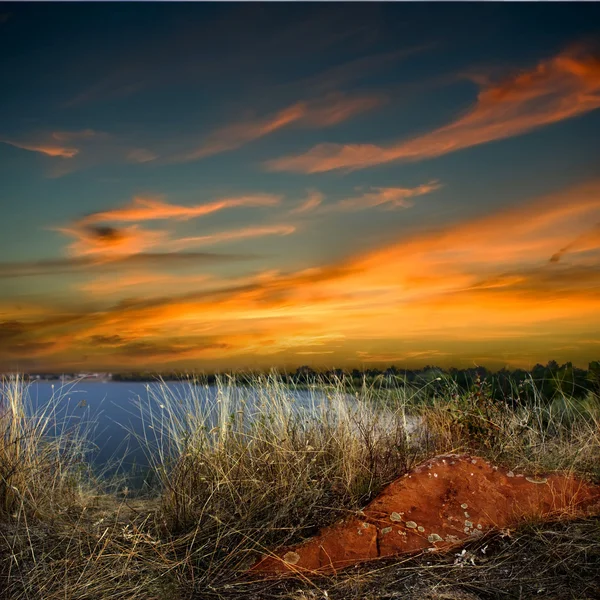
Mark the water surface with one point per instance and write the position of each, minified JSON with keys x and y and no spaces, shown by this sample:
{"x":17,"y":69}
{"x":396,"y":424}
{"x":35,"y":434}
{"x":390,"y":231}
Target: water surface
{"x":112,"y":412}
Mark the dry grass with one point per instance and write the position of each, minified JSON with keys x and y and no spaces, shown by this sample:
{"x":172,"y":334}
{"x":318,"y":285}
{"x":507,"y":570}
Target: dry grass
{"x":41,"y":460}
{"x":254,"y":470}
{"x":540,"y":435}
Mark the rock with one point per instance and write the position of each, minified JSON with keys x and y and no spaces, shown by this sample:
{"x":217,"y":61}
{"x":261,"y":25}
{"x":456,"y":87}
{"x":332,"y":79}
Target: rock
{"x":426,"y":510}
{"x":345,"y":543}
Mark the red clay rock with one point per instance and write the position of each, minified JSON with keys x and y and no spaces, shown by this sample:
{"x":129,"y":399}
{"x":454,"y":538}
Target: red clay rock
{"x":438,"y":505}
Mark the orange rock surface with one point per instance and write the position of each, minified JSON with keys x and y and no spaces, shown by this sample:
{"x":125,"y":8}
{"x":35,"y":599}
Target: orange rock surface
{"x":438,"y":505}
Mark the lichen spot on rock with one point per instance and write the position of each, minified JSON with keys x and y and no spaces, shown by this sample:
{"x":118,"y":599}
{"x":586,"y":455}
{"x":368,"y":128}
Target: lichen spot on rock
{"x":421,"y":528}
{"x":532,"y":480}
{"x":434,"y":537}
{"x":396,"y":517}
{"x":510,"y":474}
{"x":464,"y":506}
{"x":386,"y":530}
{"x":468,"y":524}
{"x":291,"y":558}
{"x":411,"y":524}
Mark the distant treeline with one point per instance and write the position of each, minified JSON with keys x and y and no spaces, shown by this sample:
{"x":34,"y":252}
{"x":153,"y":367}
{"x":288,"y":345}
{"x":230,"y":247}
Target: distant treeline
{"x":548,"y":380}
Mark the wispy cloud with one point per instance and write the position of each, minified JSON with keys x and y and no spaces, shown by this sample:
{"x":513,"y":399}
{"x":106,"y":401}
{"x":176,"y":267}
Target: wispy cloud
{"x":388,"y":197}
{"x":76,"y":150}
{"x":87,"y":147}
{"x":236,"y":135}
{"x":330,"y":110}
{"x":97,"y":235}
{"x":589,"y":240}
{"x":92,"y":264}
{"x":110,"y":242}
{"x":58,"y":144}
{"x":231,"y":235}
{"x":53,"y":150}
{"x":145,"y":284}
{"x":337,"y":107}
{"x":312,"y":201}
{"x":144,"y":208}
{"x":140,"y":155}
{"x":560,"y":88}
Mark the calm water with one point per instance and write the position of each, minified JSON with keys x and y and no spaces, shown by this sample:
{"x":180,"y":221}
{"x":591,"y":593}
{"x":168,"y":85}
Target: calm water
{"x":111,"y":411}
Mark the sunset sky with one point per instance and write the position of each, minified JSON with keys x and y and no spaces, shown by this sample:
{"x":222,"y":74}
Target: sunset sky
{"x":216,"y":186}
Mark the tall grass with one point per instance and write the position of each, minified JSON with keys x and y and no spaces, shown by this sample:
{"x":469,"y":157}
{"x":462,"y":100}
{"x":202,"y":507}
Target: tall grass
{"x":255,"y":466}
{"x":538,"y":434}
{"x":237,"y":470}
{"x":41,"y":458}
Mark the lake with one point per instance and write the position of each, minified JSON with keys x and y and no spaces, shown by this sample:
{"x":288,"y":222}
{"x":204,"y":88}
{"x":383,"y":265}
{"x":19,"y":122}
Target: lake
{"x":112,"y":411}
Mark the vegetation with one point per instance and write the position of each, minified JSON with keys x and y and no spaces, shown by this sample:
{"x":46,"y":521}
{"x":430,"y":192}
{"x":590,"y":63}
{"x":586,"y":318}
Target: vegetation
{"x":550,"y":380}
{"x":254,"y":470}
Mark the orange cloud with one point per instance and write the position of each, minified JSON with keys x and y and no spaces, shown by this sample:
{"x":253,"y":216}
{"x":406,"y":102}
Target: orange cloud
{"x":337,"y":107}
{"x":103,"y":242}
{"x":110,"y":242}
{"x":118,"y":264}
{"x":47,"y":143}
{"x":149,"y":209}
{"x":331,"y":110}
{"x":141,"y":284}
{"x":234,"y":234}
{"x":47,"y":149}
{"x":391,"y":197}
{"x":313,"y":200}
{"x":236,"y":135}
{"x":589,"y":240}
{"x":560,"y":88}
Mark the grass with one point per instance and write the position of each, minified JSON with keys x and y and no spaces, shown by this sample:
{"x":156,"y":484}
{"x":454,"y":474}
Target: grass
{"x":254,"y":469}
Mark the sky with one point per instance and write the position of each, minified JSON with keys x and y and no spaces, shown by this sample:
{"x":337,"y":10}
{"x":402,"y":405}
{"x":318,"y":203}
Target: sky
{"x":252,"y":186}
